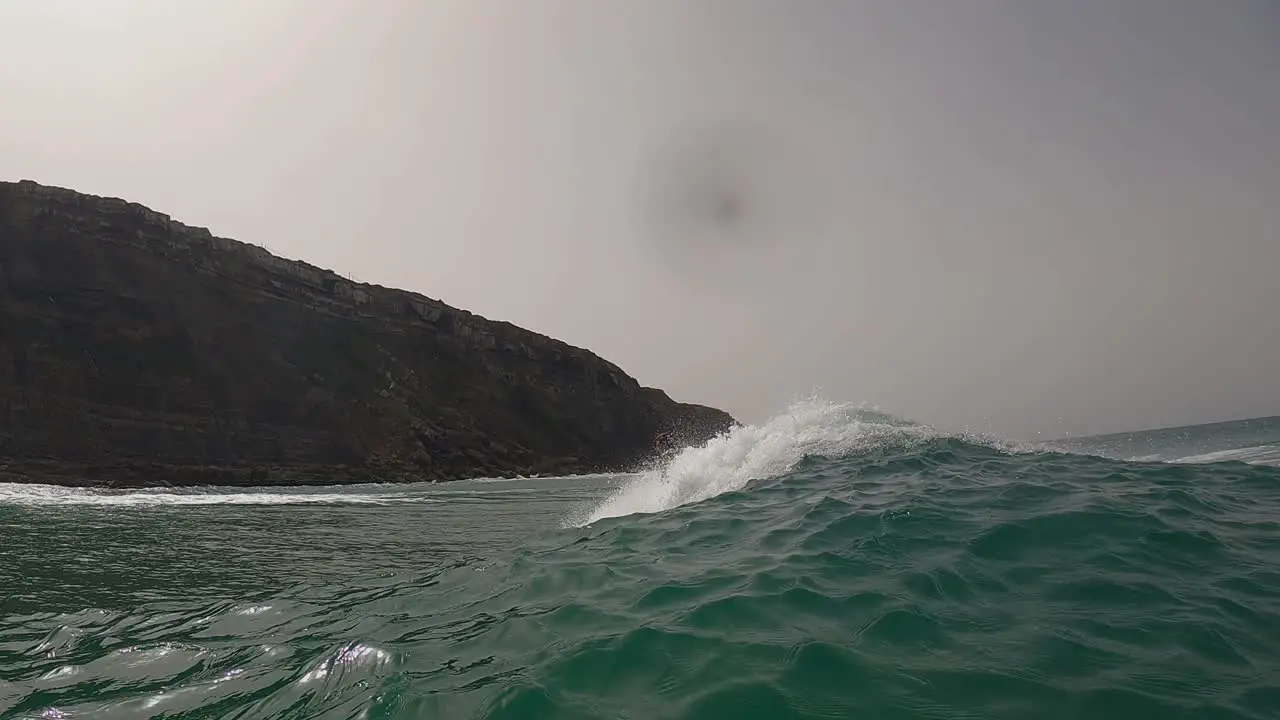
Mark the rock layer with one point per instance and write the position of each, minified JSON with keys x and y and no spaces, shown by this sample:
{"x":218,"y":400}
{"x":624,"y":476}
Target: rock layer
{"x":135,"y":350}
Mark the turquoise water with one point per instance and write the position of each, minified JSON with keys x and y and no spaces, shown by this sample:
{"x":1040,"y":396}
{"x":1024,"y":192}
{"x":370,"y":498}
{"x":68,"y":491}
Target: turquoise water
{"x":828,"y":564}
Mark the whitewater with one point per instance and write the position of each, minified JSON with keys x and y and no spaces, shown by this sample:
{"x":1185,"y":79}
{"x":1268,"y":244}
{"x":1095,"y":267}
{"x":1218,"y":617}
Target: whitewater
{"x":834,"y":561}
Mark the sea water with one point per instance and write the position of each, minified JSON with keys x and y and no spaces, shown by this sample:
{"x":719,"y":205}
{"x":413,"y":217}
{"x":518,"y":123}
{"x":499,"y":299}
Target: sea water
{"x":830,"y":563}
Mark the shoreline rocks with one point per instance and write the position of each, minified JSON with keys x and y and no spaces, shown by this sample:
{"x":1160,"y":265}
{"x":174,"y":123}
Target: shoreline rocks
{"x":136,"y":350}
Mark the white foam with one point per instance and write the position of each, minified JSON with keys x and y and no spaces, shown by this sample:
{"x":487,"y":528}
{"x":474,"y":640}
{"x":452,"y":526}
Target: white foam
{"x":52,"y":495}
{"x":1257,"y":455}
{"x":1268,"y":454}
{"x":728,"y":462}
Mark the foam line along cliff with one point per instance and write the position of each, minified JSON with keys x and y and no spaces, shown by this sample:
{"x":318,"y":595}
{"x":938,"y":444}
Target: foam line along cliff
{"x":135,"y":350}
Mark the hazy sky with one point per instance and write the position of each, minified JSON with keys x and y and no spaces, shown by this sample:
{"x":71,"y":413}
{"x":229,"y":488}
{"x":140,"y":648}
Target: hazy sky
{"x":1014,"y":215}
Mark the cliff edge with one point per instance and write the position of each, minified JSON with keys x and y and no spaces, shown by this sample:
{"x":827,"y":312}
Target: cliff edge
{"x":135,"y":350}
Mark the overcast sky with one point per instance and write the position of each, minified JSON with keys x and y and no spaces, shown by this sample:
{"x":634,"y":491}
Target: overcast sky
{"x":1017,"y":216}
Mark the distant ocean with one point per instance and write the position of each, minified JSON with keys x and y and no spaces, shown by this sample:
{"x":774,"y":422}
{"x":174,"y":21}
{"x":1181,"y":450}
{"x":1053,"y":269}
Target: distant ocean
{"x":831,"y":563}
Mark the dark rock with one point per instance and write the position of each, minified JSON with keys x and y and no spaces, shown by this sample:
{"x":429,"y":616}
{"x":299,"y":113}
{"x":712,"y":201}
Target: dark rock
{"x":135,"y":350}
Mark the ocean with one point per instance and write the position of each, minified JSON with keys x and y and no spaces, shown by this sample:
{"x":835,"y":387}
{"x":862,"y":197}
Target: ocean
{"x":830,"y":563}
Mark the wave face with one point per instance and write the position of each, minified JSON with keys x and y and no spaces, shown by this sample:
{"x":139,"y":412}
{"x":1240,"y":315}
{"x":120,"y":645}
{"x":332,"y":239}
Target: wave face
{"x":830,"y":563}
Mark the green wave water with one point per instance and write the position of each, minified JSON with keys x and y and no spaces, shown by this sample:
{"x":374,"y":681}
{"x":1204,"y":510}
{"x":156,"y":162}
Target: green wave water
{"x":829,"y":564}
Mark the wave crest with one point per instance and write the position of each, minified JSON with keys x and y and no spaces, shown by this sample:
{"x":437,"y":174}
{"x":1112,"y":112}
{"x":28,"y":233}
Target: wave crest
{"x":728,"y":462}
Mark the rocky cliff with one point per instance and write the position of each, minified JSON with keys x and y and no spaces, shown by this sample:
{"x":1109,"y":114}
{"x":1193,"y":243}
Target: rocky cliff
{"x":136,"y":350}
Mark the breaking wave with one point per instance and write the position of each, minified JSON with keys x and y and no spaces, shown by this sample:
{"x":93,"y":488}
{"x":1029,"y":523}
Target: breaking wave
{"x":727,"y":463}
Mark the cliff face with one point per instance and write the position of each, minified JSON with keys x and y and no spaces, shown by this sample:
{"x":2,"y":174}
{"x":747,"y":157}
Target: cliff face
{"x":137,"y":350}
